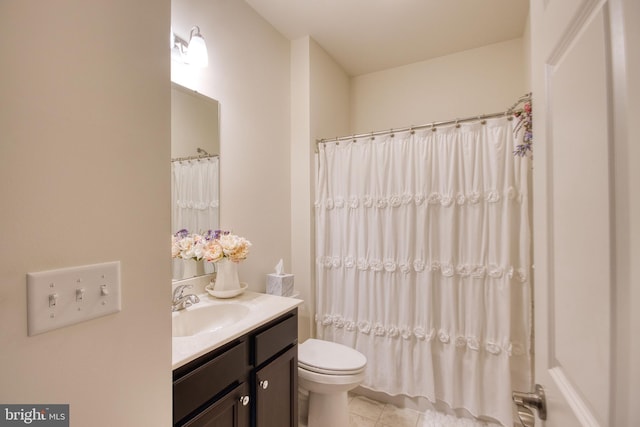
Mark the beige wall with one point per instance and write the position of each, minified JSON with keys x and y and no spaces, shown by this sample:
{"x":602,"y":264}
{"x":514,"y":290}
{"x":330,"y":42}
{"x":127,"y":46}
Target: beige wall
{"x":301,"y":181}
{"x":477,"y":81}
{"x":526,"y":55}
{"x":627,"y":176}
{"x":84,"y":166}
{"x":249,"y":74}
{"x":329,"y":92}
{"x":320,"y":106}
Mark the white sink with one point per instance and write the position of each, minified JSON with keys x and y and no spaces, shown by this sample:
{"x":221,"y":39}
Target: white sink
{"x":206,"y":318}
{"x":213,"y":322}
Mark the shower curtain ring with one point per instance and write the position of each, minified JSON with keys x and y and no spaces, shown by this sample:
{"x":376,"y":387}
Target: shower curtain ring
{"x":433,"y":127}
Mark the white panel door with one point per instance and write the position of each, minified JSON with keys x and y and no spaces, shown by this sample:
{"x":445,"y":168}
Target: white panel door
{"x":575,"y":256}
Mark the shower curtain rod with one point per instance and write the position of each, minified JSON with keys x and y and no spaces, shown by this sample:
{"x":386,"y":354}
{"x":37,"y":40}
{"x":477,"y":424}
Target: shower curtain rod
{"x":433,"y":125}
{"x":201,"y":156}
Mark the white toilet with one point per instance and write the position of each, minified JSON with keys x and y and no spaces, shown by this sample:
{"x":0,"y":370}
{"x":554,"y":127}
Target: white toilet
{"x":328,"y":370}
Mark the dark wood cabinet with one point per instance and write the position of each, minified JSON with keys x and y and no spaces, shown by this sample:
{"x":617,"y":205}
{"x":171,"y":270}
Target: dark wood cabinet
{"x":232,"y":410}
{"x":207,"y":379}
{"x":251,"y":381}
{"x":276,"y":397}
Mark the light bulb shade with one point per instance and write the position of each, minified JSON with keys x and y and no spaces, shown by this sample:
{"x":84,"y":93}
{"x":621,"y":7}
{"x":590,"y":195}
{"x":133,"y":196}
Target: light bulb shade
{"x":197,"y":52}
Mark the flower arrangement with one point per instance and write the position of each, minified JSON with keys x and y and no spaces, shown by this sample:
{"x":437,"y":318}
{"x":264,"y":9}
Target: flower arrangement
{"x":525,"y":122}
{"x":211,"y":246}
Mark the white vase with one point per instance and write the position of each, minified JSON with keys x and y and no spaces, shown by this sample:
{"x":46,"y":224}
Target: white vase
{"x":176,"y":269}
{"x":189,"y":268}
{"x":227,"y":276}
{"x":209,"y":267}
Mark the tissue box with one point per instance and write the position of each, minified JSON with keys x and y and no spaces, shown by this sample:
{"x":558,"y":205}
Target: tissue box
{"x":280,"y":284}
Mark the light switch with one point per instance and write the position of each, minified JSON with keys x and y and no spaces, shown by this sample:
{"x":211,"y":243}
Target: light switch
{"x":59,"y":298}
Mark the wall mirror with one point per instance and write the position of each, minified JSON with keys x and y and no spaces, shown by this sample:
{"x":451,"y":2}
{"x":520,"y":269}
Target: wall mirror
{"x":195,"y":165}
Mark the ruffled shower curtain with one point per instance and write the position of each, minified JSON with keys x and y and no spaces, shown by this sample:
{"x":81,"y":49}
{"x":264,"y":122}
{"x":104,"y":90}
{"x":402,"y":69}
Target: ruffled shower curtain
{"x":423,"y":262}
{"x":195,"y":195}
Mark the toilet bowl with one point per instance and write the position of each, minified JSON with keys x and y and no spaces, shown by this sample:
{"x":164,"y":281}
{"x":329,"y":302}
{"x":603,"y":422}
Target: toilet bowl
{"x":327,"y":371}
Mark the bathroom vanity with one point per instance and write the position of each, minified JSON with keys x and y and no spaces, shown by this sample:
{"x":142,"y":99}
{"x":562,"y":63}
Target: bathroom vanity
{"x":241,"y":374}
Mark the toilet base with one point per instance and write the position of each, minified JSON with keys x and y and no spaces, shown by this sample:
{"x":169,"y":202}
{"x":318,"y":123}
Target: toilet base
{"x":330,"y":409}
{"x":303,"y":407}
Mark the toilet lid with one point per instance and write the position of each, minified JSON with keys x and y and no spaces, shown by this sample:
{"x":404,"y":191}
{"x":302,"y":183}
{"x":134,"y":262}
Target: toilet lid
{"x":328,"y":357}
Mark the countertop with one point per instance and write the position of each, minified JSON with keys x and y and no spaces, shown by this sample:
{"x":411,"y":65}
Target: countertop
{"x":262,"y":309}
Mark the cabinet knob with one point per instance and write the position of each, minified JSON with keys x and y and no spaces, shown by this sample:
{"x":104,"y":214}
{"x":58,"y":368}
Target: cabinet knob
{"x":264,"y":384}
{"x":244,"y":400}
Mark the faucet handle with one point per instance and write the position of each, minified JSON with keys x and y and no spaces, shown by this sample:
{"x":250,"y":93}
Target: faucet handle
{"x":177,"y":292}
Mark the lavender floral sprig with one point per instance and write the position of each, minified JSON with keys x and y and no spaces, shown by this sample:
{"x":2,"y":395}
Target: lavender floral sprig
{"x":214,"y":234}
{"x":525,"y":122}
{"x":181,"y":234}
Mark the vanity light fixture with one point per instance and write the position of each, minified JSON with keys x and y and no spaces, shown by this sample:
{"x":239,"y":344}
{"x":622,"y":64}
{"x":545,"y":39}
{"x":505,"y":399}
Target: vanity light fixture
{"x":194,"y":52}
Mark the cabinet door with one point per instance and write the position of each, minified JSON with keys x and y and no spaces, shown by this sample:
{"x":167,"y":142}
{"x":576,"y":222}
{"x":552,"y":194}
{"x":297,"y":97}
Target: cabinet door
{"x":230,"y":411}
{"x":197,"y":383}
{"x":276,"y":385}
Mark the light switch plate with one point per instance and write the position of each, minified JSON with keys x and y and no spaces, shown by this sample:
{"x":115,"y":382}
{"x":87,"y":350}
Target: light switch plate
{"x":58,"y":298}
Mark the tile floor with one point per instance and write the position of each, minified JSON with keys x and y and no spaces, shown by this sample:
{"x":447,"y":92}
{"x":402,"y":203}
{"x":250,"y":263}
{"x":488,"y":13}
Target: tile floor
{"x":365,"y":412}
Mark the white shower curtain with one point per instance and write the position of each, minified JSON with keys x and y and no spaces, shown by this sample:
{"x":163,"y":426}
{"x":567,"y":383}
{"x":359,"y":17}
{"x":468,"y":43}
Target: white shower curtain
{"x":423,"y":262}
{"x":195,"y":195}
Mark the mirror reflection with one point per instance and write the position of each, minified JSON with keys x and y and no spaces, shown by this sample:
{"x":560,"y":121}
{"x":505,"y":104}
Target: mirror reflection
{"x":195,"y":148}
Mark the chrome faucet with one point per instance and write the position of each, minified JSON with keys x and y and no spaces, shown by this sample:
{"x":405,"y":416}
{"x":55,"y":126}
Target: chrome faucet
{"x":181,"y":301}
